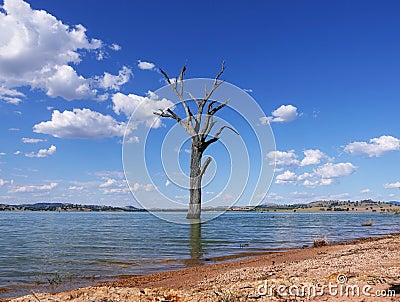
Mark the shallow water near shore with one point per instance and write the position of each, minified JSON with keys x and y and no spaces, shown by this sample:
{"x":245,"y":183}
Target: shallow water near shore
{"x":54,"y":251}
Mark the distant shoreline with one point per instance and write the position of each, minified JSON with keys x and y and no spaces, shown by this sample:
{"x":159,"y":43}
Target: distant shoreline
{"x":363,"y":206}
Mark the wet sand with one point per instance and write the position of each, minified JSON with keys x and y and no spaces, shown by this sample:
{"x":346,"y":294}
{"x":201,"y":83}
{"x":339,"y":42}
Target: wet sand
{"x":360,"y":270}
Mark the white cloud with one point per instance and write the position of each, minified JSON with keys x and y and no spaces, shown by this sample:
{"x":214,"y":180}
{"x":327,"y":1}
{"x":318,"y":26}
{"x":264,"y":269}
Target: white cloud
{"x":109,"y":81}
{"x":318,"y":182}
{"x":116,"y":191}
{"x":66,"y":83}
{"x":365,"y":191}
{"x":325,"y":175}
{"x":226,"y":196}
{"x":375,"y":147}
{"x":285,"y":113}
{"x":271,"y":196}
{"x":43,"y":152}
{"x":296,"y":193}
{"x":263,"y":120}
{"x":2,"y":182}
{"x":110,"y":182}
{"x":335,"y":196}
{"x":286,"y":177}
{"x":115,"y":47}
{"x":282,"y":158}
{"x":393,"y":185}
{"x":167,"y":183}
{"x":13,"y":129}
{"x":80,"y":123}
{"x":11,"y":96}
{"x":112,"y":186}
{"x":30,"y":189}
{"x":27,"y":140}
{"x":312,"y":157}
{"x":144,"y":107}
{"x":331,"y":170}
{"x":304,"y":176}
{"x":131,"y":139}
{"x":145,"y":65}
{"x":3,"y":153}
{"x":143,"y":187}
{"x":75,"y":188}
{"x":109,"y":174}
{"x":37,"y":50}
{"x":17,"y":152}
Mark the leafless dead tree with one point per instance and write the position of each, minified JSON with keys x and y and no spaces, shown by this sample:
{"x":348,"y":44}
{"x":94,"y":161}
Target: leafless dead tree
{"x":198,"y":126}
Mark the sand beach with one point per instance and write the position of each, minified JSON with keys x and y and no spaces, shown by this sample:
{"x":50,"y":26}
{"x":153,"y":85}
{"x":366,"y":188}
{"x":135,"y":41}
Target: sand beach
{"x":359,"y":270}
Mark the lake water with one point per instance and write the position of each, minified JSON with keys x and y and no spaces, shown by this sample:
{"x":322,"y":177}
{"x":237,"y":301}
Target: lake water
{"x":53,"y":251}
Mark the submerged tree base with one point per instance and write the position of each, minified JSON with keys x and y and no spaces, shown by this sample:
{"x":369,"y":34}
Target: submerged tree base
{"x":194,"y":211}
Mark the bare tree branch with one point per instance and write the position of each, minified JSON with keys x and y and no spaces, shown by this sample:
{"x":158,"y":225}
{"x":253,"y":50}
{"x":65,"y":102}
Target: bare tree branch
{"x":204,"y":166}
{"x":198,"y":118}
{"x":208,"y":122}
{"x":203,"y":102}
{"x":211,"y":125}
{"x":216,"y":83}
{"x":219,"y":107}
{"x":192,"y":124}
{"x":221,"y":71}
{"x":200,"y":109}
{"x":193,"y":98}
{"x":169,"y":113}
{"x":200,"y":103}
{"x":225,"y":127}
{"x":209,"y":107}
{"x":182,"y":73}
{"x":165,"y":76}
{"x":179,"y":93}
{"x":216,"y":136}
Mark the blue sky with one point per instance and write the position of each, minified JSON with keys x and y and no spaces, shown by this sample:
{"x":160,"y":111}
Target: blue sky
{"x":326,"y":74}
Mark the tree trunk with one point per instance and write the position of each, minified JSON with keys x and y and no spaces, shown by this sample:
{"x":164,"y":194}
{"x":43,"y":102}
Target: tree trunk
{"x":195,"y":181}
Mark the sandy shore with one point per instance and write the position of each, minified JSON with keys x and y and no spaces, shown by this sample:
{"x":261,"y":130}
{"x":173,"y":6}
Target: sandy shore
{"x":361,"y":270}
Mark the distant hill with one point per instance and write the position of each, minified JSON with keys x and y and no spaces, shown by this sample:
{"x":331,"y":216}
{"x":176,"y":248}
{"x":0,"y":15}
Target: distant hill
{"x":45,"y":204}
{"x":360,"y":206}
{"x":268,"y":205}
{"x":66,"y":207}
